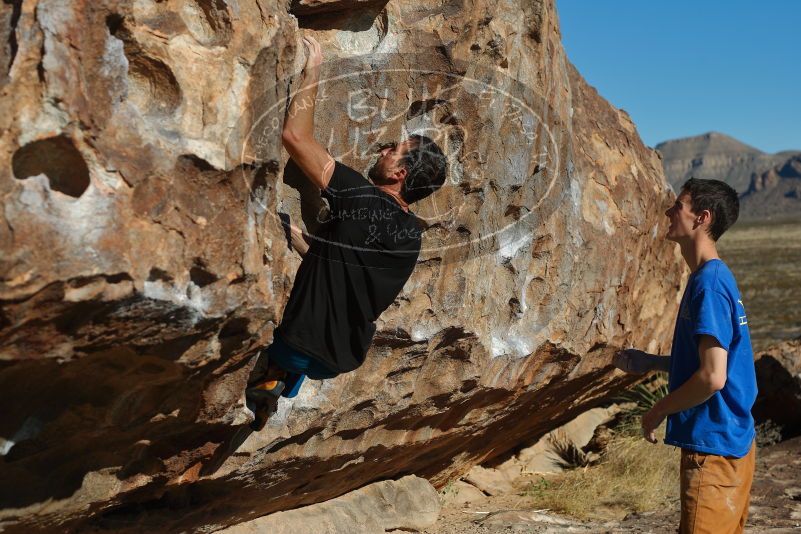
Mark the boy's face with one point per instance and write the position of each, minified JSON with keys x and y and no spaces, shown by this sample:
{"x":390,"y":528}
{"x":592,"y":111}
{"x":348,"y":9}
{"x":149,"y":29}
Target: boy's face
{"x":683,"y":222}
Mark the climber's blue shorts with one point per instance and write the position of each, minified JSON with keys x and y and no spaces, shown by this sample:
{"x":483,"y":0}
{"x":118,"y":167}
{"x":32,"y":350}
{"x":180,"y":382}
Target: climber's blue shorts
{"x":297,"y":366}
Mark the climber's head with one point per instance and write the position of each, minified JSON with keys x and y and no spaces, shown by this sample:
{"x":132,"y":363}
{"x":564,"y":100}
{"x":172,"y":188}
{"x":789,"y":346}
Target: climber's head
{"x":416,"y":164}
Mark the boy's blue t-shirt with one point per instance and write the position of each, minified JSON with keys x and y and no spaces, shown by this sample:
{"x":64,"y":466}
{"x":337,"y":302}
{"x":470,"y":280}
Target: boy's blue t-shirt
{"x":723,"y":424}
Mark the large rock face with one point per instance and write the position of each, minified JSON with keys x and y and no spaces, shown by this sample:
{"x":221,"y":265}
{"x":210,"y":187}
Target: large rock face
{"x":144,"y":260}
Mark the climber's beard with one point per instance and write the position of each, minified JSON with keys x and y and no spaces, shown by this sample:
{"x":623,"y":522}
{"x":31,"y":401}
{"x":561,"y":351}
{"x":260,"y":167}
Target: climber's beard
{"x":378,"y":172}
{"x":375,"y":174}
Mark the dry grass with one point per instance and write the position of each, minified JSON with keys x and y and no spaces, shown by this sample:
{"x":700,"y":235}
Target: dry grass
{"x":633,"y":476}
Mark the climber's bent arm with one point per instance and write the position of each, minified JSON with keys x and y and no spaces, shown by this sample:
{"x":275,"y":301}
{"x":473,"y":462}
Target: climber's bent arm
{"x":314,"y":160}
{"x":298,"y":131}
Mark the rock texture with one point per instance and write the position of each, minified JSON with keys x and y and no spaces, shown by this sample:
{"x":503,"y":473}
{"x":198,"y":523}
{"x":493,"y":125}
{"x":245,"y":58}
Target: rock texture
{"x":779,"y":380}
{"x":717,"y":156}
{"x":408,"y":505}
{"x":143,"y":258}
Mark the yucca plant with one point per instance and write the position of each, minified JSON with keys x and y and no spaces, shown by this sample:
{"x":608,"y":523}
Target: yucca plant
{"x":570,"y":456}
{"x":642,"y":397}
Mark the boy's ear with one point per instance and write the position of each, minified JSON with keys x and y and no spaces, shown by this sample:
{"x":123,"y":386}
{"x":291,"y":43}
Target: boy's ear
{"x":706,"y":216}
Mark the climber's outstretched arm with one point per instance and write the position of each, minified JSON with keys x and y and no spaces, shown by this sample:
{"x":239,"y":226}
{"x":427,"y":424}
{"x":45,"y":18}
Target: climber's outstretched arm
{"x":298,"y":132}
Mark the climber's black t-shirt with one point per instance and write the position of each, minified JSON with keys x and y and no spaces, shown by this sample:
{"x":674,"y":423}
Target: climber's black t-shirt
{"x":357,"y":264}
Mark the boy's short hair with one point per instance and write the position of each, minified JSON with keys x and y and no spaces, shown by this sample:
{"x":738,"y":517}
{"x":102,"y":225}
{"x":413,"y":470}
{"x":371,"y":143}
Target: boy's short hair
{"x":719,"y":198}
{"x":426,"y":166}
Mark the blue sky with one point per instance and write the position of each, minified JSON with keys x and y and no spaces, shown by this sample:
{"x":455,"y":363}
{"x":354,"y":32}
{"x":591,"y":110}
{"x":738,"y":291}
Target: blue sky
{"x":682,"y":68}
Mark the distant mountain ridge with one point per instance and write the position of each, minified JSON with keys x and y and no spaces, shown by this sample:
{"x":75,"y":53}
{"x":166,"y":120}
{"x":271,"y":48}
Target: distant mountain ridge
{"x":774,"y":193}
{"x":765,"y":182}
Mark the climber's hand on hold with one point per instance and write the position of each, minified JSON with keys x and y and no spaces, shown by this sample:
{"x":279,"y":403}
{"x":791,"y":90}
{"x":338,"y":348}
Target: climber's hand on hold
{"x":632,"y":361}
{"x":297,"y":135}
{"x":314,"y":54}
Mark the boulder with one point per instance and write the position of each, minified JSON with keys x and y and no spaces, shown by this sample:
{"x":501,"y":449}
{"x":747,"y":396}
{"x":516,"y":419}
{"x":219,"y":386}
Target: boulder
{"x":490,"y":481}
{"x":407,"y":505}
{"x":778,"y":370}
{"x":459,"y":492}
{"x":144,"y":259}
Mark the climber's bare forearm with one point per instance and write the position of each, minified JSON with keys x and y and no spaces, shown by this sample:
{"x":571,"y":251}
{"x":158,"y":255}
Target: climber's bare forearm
{"x":301,"y":245}
{"x":298,"y":240}
{"x":300,"y":116}
{"x":298,"y":133}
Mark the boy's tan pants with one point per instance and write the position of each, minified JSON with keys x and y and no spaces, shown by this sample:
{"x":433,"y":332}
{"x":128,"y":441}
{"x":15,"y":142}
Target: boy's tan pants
{"x":715,"y":492}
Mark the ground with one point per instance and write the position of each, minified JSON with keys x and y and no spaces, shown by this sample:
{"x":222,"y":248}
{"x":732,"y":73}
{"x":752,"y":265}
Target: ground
{"x":775,"y":506}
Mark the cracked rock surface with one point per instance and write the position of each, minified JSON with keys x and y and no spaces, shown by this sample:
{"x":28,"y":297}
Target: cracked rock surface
{"x":143,"y":257}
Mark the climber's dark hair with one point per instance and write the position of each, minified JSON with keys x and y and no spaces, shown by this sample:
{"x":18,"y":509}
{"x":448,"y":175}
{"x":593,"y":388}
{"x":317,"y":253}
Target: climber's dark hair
{"x":426,"y":167}
{"x":719,"y":198}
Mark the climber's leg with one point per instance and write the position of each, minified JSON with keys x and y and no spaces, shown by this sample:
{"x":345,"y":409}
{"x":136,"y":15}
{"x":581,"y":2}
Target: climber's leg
{"x":279,"y":372}
{"x":280,"y":362}
{"x":265,"y":385}
{"x":266,"y":369}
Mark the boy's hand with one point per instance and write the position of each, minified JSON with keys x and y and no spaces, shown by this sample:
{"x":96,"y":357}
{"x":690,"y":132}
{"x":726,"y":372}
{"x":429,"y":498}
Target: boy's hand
{"x":632,"y":361}
{"x":314,"y":53}
{"x":651,"y":421}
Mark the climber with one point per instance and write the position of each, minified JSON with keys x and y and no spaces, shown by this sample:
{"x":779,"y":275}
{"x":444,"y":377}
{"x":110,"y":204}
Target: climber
{"x":357,"y":262}
{"x":712,"y":380}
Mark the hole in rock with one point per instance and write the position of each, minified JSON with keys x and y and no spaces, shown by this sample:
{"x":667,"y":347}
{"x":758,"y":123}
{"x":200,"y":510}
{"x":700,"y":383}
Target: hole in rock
{"x":114,"y":23}
{"x":193,"y":162}
{"x":158,"y":274}
{"x":152,"y":87}
{"x":216,"y":17}
{"x":200,"y":276}
{"x":58,"y":159}
{"x":340,"y":16}
{"x":233,"y":335}
{"x":236,"y":327}
{"x":468,"y":385}
{"x":13,"y":20}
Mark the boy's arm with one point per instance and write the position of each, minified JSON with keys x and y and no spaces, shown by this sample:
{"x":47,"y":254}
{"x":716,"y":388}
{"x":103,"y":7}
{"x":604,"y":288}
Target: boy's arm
{"x":708,"y":379}
{"x":638,"y":362}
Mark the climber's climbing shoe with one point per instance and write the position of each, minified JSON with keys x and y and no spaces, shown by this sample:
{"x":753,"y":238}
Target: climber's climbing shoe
{"x":267,"y":389}
{"x":262,"y":412}
{"x":262,"y":399}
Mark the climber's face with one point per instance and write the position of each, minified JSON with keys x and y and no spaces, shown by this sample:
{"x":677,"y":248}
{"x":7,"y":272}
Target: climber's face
{"x":389,"y":168}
